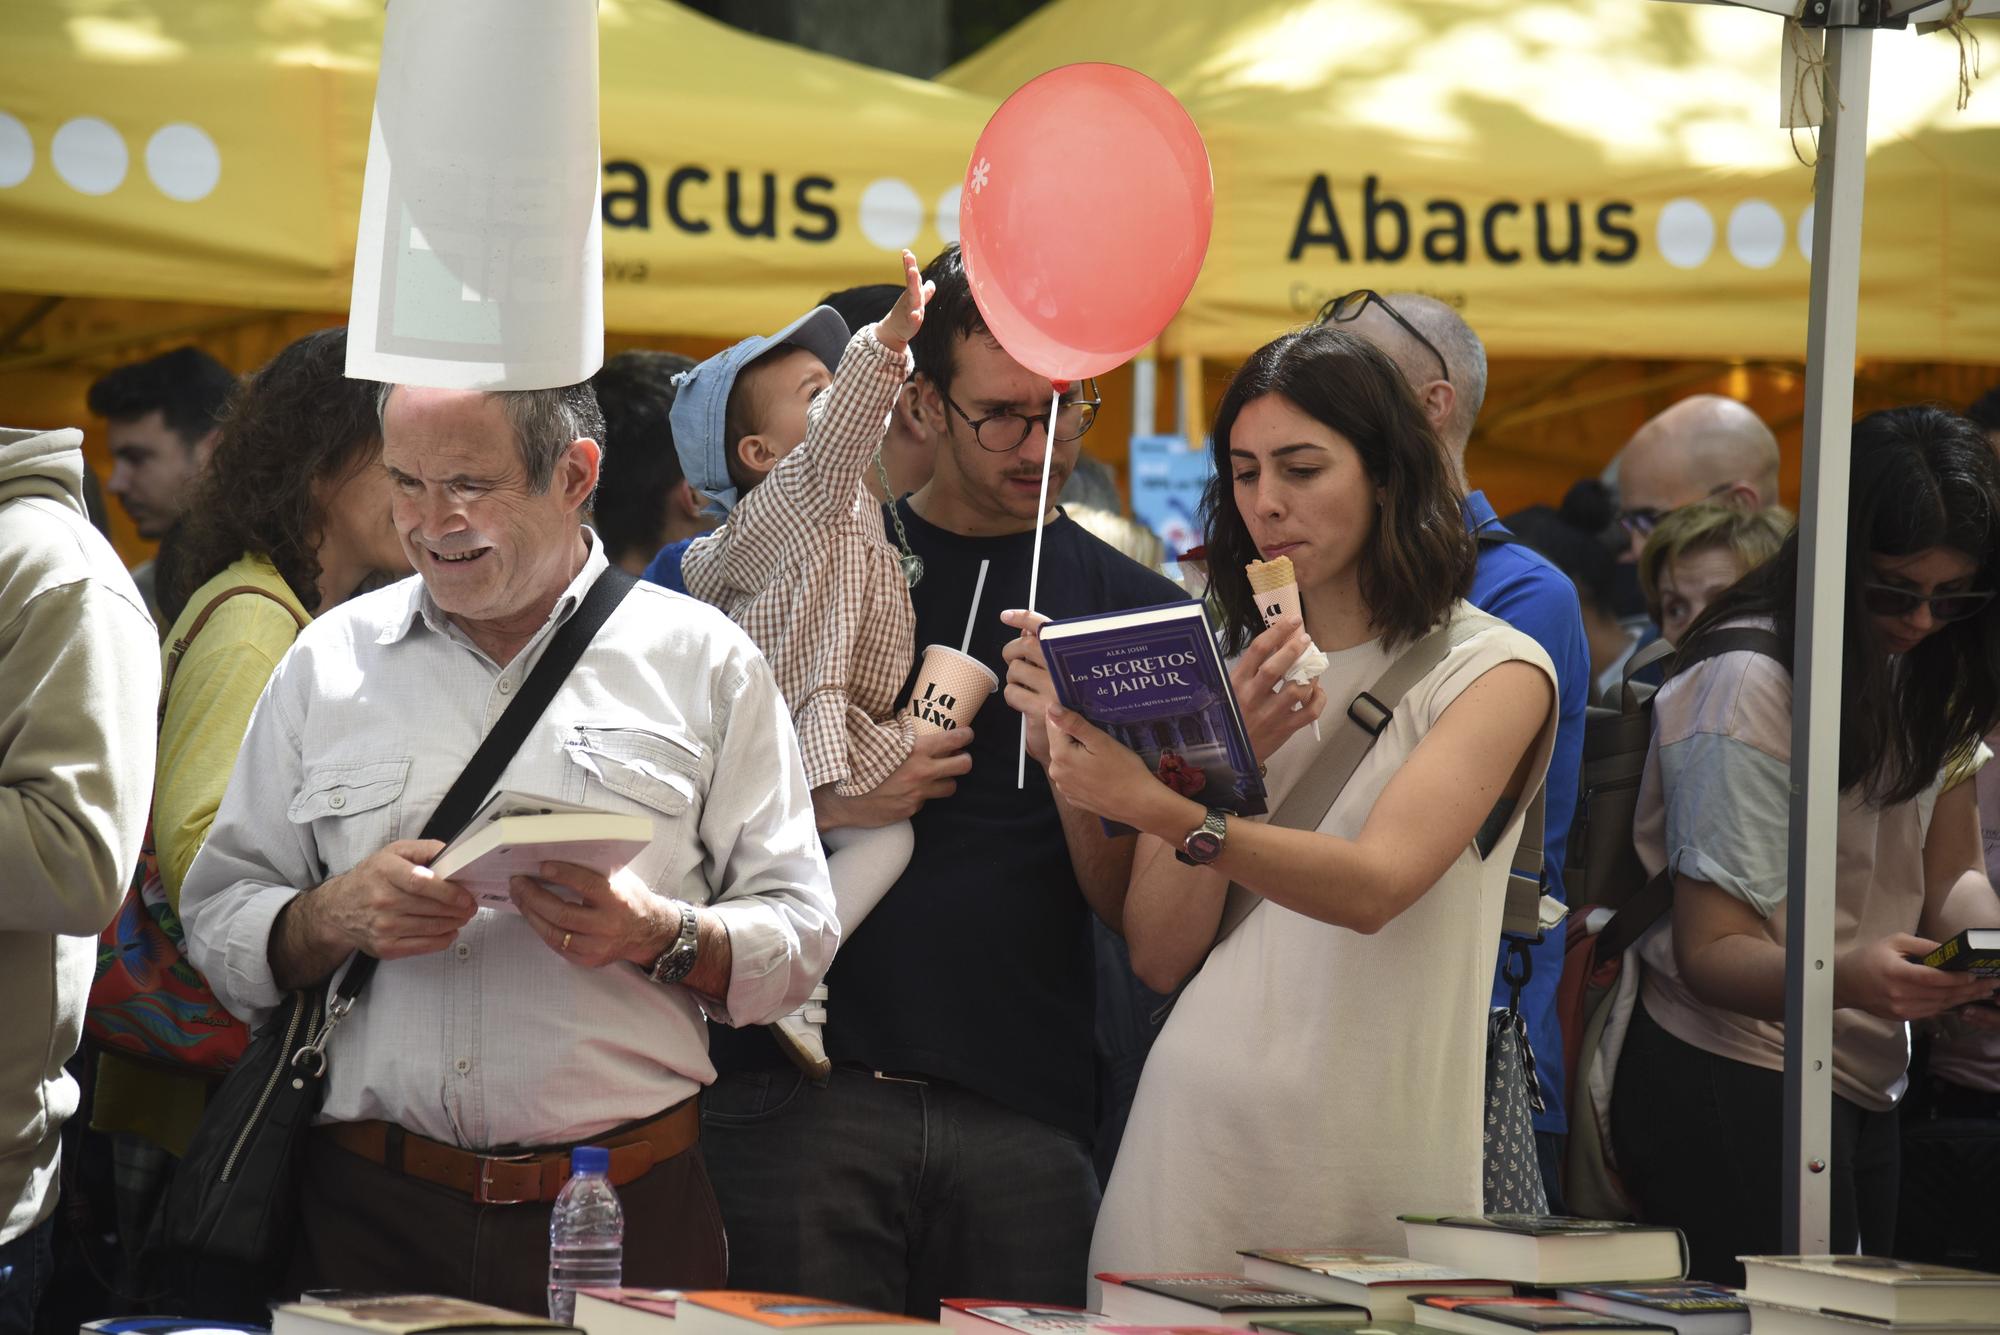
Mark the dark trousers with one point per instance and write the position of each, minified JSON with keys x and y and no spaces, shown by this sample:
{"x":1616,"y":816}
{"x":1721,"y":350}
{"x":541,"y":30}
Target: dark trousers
{"x":1549,"y":1156}
{"x":367,"y":1227}
{"x":894,"y":1194}
{"x":1700,"y":1139}
{"x":25,"y":1266}
{"x":1951,"y":1176}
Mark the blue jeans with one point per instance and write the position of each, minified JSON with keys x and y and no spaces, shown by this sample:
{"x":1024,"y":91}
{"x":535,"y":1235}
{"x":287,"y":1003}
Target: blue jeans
{"x":25,"y":1265}
{"x":893,"y":1194}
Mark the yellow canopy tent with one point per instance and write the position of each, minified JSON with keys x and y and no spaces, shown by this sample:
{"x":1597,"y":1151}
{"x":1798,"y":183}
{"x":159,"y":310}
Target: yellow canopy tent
{"x":214,"y":153}
{"x":1582,"y":178}
{"x":1602,"y":189}
{"x":173,"y":172}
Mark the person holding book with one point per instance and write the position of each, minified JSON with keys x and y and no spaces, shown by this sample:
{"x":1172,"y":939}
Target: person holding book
{"x":289,"y":517}
{"x":948,"y":1152}
{"x":489,"y":1043}
{"x":1323,"y":1070}
{"x":1697,"y":1108}
{"x":777,"y":432}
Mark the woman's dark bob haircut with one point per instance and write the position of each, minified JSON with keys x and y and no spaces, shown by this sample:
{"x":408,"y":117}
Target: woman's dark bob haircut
{"x":1419,"y":558}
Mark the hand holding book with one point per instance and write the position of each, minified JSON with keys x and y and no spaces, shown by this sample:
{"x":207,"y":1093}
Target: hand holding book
{"x":1097,"y":774}
{"x":1882,"y":978}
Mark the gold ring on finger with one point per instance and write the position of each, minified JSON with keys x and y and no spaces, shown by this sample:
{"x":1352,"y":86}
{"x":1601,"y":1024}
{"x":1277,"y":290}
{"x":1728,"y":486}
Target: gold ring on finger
{"x":565,"y":944}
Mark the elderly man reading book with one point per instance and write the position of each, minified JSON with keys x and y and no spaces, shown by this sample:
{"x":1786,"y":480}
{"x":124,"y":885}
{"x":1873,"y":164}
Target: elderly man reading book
{"x":488,"y":1043}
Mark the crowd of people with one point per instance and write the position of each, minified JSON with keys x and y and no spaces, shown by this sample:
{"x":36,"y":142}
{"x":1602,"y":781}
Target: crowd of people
{"x":870,"y":1018}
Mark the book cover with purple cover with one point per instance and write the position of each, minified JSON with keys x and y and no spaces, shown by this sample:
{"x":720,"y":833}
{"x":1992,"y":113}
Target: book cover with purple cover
{"x":1154,"y":679}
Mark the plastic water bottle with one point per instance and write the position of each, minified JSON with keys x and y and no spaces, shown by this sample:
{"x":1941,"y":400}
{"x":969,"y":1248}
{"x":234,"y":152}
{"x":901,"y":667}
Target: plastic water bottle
{"x":586,"y":1233}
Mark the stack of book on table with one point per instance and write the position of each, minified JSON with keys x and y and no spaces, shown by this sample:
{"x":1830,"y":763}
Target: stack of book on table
{"x":1849,"y":1295}
{"x":730,"y":1312}
{"x":1490,"y":1275}
{"x":1604,"y":1276}
{"x":404,"y":1314}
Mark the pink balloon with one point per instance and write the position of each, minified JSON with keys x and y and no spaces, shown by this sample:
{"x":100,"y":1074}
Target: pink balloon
{"x":1084,"y":218}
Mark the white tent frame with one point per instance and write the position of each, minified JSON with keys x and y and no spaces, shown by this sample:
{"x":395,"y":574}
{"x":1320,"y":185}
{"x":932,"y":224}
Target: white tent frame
{"x":1816,"y":664}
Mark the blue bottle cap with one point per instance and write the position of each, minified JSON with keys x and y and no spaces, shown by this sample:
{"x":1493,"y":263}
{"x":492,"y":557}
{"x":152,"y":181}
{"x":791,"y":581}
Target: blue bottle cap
{"x":589,"y":1159}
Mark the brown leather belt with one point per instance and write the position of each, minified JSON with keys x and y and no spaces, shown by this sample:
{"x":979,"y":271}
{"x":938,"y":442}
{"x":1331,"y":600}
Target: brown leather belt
{"x":517,"y":1179}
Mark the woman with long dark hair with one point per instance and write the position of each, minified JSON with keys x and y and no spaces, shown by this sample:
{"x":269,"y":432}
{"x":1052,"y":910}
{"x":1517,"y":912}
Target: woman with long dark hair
{"x":1323,"y":1069}
{"x":293,"y":505}
{"x":1697,"y":1107}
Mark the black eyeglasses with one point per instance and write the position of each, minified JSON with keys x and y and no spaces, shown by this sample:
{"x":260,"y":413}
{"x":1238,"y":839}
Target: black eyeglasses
{"x":997,"y":433}
{"x":1342,"y":309}
{"x":1646,"y":518}
{"x":1886,"y":600}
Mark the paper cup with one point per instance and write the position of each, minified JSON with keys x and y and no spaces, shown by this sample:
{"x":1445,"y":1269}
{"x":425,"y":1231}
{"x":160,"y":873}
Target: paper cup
{"x":951,"y":687}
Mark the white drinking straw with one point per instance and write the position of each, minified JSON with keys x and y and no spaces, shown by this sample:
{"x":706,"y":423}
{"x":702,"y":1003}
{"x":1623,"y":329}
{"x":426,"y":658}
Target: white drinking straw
{"x":1035,"y":562}
{"x":972,"y":614}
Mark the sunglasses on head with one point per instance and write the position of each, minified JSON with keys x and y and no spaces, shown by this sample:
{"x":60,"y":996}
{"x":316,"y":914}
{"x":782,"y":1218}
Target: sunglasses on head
{"x":1886,"y":600}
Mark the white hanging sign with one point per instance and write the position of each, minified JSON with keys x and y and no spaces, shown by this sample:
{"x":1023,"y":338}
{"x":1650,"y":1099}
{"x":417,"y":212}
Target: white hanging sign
{"x":479,"y":259}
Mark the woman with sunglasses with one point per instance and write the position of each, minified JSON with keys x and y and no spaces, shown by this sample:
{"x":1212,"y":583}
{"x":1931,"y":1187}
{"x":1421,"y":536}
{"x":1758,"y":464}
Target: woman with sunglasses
{"x":1698,"y":1109}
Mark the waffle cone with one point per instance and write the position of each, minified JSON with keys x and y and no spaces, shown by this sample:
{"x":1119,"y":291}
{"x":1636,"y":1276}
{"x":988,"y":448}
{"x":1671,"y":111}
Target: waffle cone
{"x":1268,"y":575}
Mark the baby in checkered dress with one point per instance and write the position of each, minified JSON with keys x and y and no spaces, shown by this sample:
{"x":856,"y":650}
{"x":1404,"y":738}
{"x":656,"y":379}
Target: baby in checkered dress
{"x":778,"y":432}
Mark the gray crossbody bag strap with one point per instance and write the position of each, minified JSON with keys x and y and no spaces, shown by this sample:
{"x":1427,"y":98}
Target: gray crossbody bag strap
{"x":1368,"y":714}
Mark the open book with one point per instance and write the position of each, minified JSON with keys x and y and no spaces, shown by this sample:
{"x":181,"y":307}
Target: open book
{"x":513,"y":834}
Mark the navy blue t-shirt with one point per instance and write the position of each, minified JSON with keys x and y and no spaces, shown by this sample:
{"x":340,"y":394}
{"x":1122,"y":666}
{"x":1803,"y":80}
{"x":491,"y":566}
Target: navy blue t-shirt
{"x":665,"y":568}
{"x":977,"y":967}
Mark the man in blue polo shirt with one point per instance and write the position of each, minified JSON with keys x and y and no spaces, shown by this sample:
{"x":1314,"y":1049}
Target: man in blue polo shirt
{"x":1445,"y":365}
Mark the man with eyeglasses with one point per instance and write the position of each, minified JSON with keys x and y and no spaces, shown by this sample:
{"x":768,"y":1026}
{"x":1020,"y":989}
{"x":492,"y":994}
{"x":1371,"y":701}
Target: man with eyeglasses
{"x":949,"y":1151}
{"x":1445,"y":365}
{"x":1703,"y":448}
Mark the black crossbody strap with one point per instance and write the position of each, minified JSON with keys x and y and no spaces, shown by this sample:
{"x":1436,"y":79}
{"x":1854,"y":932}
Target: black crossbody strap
{"x":483,"y":771}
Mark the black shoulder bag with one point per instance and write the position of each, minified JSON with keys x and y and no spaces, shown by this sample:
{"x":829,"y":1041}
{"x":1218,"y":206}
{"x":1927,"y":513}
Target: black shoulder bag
{"x":231,"y":1214}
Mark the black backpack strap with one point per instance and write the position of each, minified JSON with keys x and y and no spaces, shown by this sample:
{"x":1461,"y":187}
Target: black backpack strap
{"x":1729,"y":640}
{"x":481,"y":772}
{"x":1656,"y":897}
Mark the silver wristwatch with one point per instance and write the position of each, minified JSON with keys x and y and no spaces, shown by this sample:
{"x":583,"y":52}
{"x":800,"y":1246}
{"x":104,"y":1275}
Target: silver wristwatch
{"x":677,"y":960}
{"x":1203,"y":844}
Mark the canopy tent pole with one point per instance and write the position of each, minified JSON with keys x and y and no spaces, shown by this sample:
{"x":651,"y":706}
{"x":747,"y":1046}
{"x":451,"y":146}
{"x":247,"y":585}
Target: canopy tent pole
{"x":1816,"y":652}
{"x":1145,"y":388}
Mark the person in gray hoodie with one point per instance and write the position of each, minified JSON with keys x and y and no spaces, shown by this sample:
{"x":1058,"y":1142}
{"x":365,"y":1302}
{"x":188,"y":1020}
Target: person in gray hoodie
{"x":79,"y":684}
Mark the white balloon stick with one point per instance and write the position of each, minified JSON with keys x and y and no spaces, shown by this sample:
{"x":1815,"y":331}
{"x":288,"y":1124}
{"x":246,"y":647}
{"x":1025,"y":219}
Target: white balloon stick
{"x":1035,"y":562}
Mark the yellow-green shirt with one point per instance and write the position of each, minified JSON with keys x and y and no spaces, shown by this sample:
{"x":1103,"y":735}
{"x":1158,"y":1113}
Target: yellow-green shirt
{"x":209,"y":701}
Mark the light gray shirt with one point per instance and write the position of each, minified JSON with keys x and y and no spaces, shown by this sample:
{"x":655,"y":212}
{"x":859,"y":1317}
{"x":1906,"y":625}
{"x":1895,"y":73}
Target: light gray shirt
{"x":499,"y":1040}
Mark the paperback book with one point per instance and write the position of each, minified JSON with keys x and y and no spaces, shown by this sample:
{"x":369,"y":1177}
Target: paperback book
{"x":983,"y":1316}
{"x":1382,"y":1284}
{"x":1548,"y":1251}
{"x":1155,"y":681}
{"x":1690,"y":1307}
{"x":1373,"y":1326}
{"x":735,"y":1312}
{"x":1976,"y":951}
{"x":513,"y":834}
{"x":167,"y":1325}
{"x":1775,"y":1319}
{"x":626,"y":1311}
{"x":404,"y":1314}
{"x":1211,"y":1300}
{"x":1504,"y":1316}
